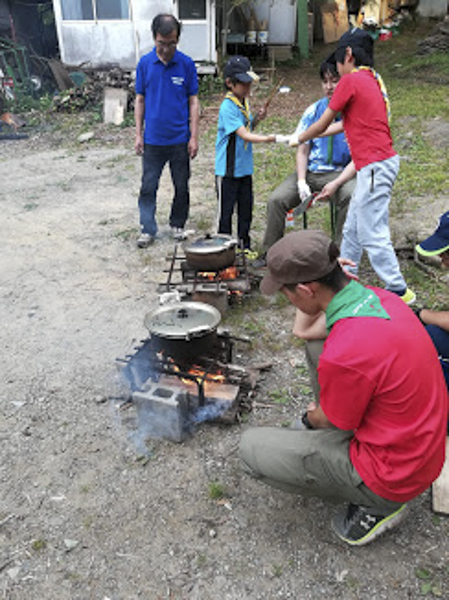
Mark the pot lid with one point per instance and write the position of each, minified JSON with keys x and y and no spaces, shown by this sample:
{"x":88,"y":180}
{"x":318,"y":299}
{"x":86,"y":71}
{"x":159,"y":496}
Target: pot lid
{"x":211,"y":243}
{"x":183,"y":320}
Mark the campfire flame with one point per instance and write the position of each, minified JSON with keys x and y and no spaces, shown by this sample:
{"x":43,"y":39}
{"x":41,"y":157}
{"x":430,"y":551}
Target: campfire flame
{"x":224,"y":275}
{"x":199,"y":374}
{"x":229,"y":273}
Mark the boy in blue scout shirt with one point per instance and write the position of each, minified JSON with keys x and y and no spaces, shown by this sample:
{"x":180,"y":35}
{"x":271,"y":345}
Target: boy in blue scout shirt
{"x":234,"y":154}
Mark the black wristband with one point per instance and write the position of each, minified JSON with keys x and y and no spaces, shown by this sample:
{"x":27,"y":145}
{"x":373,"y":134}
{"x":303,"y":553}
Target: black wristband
{"x":306,"y":422}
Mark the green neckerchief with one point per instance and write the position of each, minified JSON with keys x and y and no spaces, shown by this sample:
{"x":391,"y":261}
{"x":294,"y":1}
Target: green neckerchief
{"x":354,"y":300}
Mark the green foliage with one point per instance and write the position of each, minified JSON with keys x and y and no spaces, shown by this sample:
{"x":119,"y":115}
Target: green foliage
{"x":38,"y":545}
{"x":216,"y":490}
{"x":210,"y":85}
{"x":417,"y":87}
{"x":431,"y":583}
{"x":277,"y":570}
{"x":127,"y":234}
{"x":280,"y":396}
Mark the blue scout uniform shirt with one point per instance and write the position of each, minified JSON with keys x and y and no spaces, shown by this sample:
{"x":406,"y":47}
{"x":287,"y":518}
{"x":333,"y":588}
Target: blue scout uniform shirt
{"x":327,"y":153}
{"x":167,"y":89}
{"x":233,"y":156}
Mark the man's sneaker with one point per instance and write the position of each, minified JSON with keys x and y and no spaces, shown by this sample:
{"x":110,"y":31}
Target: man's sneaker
{"x":358,"y":526}
{"x":145,"y":240}
{"x":177,"y":233}
{"x":260,"y":263}
{"x":409,"y":296}
{"x":250,"y":255}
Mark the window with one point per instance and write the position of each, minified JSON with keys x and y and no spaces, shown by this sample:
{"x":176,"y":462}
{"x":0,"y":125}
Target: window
{"x":90,"y":10}
{"x":192,"y":9}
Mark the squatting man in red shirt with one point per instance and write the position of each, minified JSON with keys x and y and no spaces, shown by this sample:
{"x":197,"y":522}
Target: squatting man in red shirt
{"x":375,"y":437}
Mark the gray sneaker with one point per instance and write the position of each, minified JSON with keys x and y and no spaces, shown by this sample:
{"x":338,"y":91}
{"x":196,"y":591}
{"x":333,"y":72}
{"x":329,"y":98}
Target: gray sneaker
{"x":260,"y":263}
{"x":178,"y":233}
{"x":358,"y":525}
{"x":145,"y":240}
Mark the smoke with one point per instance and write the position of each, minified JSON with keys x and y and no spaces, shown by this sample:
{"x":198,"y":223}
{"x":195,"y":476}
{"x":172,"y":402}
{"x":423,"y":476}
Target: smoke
{"x":209,"y":412}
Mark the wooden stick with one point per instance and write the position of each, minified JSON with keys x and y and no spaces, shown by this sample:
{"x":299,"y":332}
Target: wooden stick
{"x":273,"y":93}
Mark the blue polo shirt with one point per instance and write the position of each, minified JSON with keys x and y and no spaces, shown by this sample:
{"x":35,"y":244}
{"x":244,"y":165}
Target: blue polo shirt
{"x":167,"y":89}
{"x":328,"y":153}
{"x":233,"y":157}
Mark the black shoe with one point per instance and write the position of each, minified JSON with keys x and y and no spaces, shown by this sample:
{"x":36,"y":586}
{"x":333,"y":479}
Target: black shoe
{"x":359,"y":526}
{"x":260,"y":263}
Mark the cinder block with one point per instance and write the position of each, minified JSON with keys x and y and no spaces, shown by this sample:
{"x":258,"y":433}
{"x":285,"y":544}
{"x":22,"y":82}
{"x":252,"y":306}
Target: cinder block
{"x":162,"y":413}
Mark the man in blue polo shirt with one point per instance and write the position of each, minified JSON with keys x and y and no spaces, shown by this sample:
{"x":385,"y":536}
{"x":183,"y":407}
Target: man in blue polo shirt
{"x":324,"y":165}
{"x":167,"y":117}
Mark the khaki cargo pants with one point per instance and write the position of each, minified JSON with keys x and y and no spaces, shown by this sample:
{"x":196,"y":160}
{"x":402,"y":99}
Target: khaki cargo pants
{"x":308,"y":463}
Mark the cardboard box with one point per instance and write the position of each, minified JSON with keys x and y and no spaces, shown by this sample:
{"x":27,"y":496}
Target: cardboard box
{"x":335,"y":21}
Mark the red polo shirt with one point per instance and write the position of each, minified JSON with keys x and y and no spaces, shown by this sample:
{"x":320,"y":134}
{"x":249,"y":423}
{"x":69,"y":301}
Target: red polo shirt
{"x":382,"y":379}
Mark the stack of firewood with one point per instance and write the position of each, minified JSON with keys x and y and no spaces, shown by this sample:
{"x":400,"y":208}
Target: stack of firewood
{"x":91,"y":91}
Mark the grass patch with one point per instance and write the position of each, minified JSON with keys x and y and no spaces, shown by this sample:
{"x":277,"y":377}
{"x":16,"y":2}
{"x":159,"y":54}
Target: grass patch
{"x":126,"y":234}
{"x":280,"y":396}
{"x":216,"y":490}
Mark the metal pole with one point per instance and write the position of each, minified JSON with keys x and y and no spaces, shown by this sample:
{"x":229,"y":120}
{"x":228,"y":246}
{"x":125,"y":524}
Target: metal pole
{"x":303,"y":29}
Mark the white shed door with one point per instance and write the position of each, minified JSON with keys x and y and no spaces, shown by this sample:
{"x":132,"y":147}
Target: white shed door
{"x":197,"y":34}
{"x":282,"y":23}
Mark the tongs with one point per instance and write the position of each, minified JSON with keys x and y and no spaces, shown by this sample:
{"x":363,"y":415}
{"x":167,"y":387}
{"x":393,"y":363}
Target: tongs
{"x":305,"y":205}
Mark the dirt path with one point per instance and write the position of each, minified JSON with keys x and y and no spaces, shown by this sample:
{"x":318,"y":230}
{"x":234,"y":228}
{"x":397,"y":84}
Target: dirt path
{"x":80,"y":516}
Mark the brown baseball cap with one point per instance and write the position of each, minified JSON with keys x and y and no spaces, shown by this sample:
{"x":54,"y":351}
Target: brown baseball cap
{"x":299,"y":257}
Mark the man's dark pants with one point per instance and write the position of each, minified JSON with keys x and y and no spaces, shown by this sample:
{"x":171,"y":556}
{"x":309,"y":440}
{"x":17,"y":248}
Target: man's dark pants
{"x":154,"y":160}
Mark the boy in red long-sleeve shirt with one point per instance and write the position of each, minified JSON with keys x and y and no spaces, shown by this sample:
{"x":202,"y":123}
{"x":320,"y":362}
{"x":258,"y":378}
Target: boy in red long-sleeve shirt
{"x":362,"y":100}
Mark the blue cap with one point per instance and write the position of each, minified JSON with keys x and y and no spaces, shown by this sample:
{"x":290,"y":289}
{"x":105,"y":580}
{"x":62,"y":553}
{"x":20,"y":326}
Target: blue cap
{"x":438,"y":242}
{"x":239,"y":67}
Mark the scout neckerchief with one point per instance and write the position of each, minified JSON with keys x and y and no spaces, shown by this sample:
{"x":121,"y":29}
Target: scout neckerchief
{"x":381,"y":83}
{"x":244,"y":109}
{"x":354,"y":300}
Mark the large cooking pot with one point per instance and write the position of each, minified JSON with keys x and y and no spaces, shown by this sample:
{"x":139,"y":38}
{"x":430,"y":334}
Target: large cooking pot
{"x":184,"y":329}
{"x":212,"y":252}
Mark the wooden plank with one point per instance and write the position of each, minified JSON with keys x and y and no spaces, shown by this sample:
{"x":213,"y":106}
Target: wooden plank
{"x":440,"y":487}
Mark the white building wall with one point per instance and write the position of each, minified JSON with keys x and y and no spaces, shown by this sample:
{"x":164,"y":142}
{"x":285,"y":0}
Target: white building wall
{"x":122,"y":43}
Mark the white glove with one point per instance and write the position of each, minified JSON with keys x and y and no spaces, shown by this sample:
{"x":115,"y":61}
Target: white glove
{"x":293,"y":140}
{"x":282,"y":139}
{"x":303,"y":190}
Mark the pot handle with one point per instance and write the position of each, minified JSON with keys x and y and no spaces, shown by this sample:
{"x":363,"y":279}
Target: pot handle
{"x":201,"y":329}
{"x":230,"y":244}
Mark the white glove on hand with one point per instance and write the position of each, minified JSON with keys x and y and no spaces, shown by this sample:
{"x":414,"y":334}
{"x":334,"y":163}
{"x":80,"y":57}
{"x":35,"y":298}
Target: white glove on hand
{"x":303,"y":190}
{"x":293,"y":140}
{"x":282,"y":139}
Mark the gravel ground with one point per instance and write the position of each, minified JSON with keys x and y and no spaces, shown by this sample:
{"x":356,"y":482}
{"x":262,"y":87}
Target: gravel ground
{"x":82,"y":516}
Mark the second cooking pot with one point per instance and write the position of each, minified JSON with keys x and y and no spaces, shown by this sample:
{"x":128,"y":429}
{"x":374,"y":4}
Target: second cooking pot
{"x":213,"y":252}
